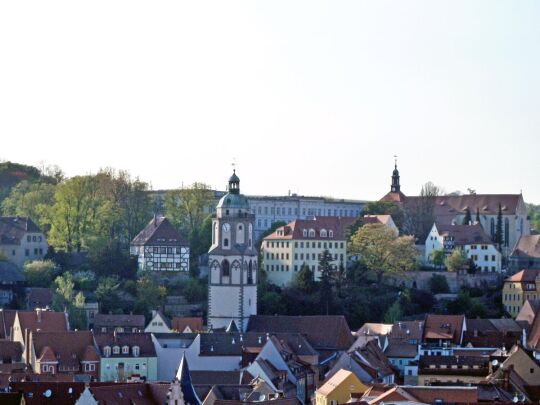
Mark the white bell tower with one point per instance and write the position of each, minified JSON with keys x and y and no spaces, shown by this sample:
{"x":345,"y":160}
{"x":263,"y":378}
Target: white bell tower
{"x":232,"y":294}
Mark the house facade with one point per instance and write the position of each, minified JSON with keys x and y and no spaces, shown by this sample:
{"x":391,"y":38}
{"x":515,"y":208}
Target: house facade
{"x":120,"y":323}
{"x":302,"y":242}
{"x":470,"y":239}
{"x":160,"y":247}
{"x":21,"y":240}
{"x":127,"y":355}
{"x":526,"y":254}
{"x":520,"y":287}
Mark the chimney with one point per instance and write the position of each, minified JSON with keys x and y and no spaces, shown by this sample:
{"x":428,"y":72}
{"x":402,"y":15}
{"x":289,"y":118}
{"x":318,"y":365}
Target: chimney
{"x":38,"y":314}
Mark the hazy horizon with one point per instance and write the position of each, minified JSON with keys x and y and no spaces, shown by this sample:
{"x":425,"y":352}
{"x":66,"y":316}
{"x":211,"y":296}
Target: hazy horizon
{"x":308,"y":96}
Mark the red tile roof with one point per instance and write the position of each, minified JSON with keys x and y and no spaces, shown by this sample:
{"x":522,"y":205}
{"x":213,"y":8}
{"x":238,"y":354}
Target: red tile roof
{"x":524,"y":276}
{"x":142,"y":340}
{"x":465,"y":234}
{"x":394,"y":197}
{"x":295,"y":229}
{"x":49,"y":392}
{"x":45,"y":321}
{"x":527,"y":246}
{"x":68,"y":348}
{"x":180,"y":323}
{"x":7,"y":316}
{"x":444,"y":327}
{"x":10,"y":350}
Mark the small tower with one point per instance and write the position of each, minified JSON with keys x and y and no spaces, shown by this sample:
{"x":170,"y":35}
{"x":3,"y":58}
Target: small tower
{"x":232,"y":291}
{"x":395,"y":187}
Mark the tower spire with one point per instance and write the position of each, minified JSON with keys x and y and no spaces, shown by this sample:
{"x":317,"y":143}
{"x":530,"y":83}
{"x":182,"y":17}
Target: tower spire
{"x":395,"y":187}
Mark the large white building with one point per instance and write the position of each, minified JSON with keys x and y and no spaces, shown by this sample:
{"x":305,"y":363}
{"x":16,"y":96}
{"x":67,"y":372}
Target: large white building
{"x":471,"y":239}
{"x":21,"y":240}
{"x":302,"y":242}
{"x":232,"y":260}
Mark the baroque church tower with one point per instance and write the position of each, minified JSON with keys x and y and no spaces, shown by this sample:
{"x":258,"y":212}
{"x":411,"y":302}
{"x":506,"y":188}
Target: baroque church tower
{"x":232,"y":294}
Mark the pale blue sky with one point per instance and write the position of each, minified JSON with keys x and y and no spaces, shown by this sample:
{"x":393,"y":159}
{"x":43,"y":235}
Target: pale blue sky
{"x":308,"y":96}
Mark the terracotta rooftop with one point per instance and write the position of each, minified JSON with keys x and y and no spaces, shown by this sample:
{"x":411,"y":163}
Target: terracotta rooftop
{"x":180,"y":324}
{"x":295,"y":229}
{"x":38,"y":297}
{"x":446,"y":327}
{"x":524,"y":276}
{"x":68,"y":348}
{"x":7,"y":316}
{"x":42,"y":320}
{"x":527,"y":246}
{"x":49,"y":392}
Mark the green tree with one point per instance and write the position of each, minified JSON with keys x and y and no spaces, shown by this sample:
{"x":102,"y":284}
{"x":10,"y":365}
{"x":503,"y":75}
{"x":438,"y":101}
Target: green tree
{"x":467,"y":219}
{"x":381,"y":251}
{"x":499,"y":229}
{"x":438,"y":284}
{"x":478,"y":217}
{"x":394,"y":313}
{"x":533,"y":212}
{"x":39,"y":273}
{"x":456,"y":260}
{"x":437,"y":257}
{"x":326,"y":270}
{"x":149,"y":294}
{"x":385,"y":208}
{"x":33,"y":200}
{"x":304,"y":280}
{"x":66,"y":299}
{"x":107,"y":294}
{"x":188,"y":207}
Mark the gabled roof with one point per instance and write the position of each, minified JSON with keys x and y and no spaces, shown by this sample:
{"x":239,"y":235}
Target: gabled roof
{"x":295,"y":229}
{"x":524,"y":276}
{"x":464,"y":234}
{"x":68,"y":348}
{"x":142,"y":340}
{"x":7,"y":316}
{"x":181,"y":323}
{"x":394,"y":197}
{"x":447,"y":327}
{"x":190,"y":396}
{"x":121,"y":320}
{"x":38,"y":297}
{"x":335,"y":382}
{"x":528,"y":311}
{"x":13,"y":229}
{"x":159,"y":231}
{"x":43,"y":320}
{"x":534,"y":333}
{"x":322,"y":331}
{"x":527,"y":246}
{"x":406,"y":331}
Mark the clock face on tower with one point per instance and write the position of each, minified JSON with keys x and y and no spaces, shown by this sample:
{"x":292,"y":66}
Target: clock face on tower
{"x":226,"y":227}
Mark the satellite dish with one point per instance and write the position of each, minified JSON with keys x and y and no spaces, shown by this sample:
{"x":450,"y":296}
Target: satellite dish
{"x":495,"y":363}
{"x":70,"y":390}
{"x":47,"y":394}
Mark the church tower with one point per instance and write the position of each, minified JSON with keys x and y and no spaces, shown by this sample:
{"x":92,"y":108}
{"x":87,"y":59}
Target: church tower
{"x":232,"y":294}
{"x":395,"y":187}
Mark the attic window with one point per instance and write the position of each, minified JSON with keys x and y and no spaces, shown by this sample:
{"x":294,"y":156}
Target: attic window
{"x":125,"y":349}
{"x":312,"y":233}
{"x":304,"y":232}
{"x":136,"y":351}
{"x":116,"y":350}
{"x":330,"y":234}
{"x":324,"y":234}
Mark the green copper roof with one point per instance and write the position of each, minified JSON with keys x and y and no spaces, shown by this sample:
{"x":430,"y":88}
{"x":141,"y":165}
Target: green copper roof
{"x":233,"y":201}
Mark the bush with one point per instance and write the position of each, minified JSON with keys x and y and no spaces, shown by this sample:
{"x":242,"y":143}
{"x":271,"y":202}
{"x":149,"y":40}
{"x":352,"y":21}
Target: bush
{"x":438,"y":284}
{"x":39,"y":273}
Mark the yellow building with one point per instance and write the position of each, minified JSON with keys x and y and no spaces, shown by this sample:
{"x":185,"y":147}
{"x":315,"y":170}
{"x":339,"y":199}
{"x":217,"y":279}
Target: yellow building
{"x":519,"y":288}
{"x":338,"y":389}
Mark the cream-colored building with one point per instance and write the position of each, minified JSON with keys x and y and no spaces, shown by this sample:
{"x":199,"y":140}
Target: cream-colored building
{"x":21,"y":240}
{"x":517,"y":289}
{"x":471,"y":239}
{"x":302,"y":242}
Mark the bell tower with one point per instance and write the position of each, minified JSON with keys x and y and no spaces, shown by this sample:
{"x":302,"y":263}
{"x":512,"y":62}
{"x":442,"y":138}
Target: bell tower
{"x":232,"y":258}
{"x":395,"y":187}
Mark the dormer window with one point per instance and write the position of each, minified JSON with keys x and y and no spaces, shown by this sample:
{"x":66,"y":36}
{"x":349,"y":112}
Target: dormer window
{"x":304,"y":233}
{"x":136,"y":351}
{"x":107,"y":351}
{"x":116,"y":350}
{"x":125,"y":349}
{"x":331,"y":234}
{"x":312,"y":233}
{"x":323,"y":233}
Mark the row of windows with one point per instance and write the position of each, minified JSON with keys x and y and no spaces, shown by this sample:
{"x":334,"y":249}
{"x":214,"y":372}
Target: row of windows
{"x":512,"y":297}
{"x":486,"y":258}
{"x":285,"y":256}
{"x":166,"y":250}
{"x":285,"y":267}
{"x":308,"y":211}
{"x":27,"y":252}
{"x":323,"y":245}
{"x":116,"y":350}
{"x":34,"y":238}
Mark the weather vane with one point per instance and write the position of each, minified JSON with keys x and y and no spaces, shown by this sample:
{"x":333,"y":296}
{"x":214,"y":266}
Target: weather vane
{"x":395,"y":160}
{"x":233,"y":164}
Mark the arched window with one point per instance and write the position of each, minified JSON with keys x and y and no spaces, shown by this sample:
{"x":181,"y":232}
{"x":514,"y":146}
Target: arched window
{"x":250,"y":273}
{"x":240,"y":234}
{"x":506,"y":232}
{"x":312,"y":233}
{"x":236,"y":266}
{"x":225,"y":269}
{"x":125,"y":349}
{"x":323,"y":233}
{"x":116,"y":350}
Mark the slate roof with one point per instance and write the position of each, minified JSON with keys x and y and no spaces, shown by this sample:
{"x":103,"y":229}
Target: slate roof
{"x":405,"y":350}
{"x":68,"y":348}
{"x":159,"y":232}
{"x":65,"y":393}
{"x":13,"y":229}
{"x":527,"y":246}
{"x":10,"y":274}
{"x":322,"y":331}
{"x":295,"y":229}
{"x":121,"y":320}
{"x":142,"y":340}
{"x":464,"y":234}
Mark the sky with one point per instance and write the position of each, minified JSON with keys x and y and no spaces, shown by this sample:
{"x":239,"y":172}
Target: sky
{"x":312,"y":97}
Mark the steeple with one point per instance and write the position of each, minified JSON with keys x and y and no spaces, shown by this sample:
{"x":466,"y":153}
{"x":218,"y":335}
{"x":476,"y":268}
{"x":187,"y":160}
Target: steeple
{"x":234,"y":183}
{"x":190,"y":397}
{"x":395,"y":187}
